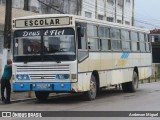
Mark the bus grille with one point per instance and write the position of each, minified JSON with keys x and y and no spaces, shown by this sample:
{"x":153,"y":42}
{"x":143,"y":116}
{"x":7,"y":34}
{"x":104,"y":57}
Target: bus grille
{"x":43,"y":72}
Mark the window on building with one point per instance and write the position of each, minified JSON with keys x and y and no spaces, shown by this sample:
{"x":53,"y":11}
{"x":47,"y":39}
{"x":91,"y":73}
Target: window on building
{"x":88,"y":14}
{"x":128,"y":1}
{"x":119,"y":21}
{"x":127,"y":23}
{"x":110,"y":19}
{"x":100,"y":17}
{"x":110,"y":2}
{"x":2,"y":1}
{"x":120,"y":3}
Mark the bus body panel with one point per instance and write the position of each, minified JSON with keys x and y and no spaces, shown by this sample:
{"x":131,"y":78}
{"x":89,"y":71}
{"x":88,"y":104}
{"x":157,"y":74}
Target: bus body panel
{"x":113,"y":67}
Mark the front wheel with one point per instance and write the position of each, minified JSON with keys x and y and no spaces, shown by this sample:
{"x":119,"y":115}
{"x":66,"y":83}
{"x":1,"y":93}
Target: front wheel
{"x":91,"y":94}
{"x":42,"y":95}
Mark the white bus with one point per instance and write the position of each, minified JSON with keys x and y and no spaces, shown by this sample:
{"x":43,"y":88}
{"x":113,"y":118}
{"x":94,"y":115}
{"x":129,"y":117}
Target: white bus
{"x":73,"y":54}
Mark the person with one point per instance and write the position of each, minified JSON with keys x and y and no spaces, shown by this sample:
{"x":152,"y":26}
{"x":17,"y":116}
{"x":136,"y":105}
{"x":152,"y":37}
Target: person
{"x":5,"y":81}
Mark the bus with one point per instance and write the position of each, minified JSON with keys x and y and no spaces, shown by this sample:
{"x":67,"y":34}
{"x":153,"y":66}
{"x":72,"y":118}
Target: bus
{"x":73,"y":54}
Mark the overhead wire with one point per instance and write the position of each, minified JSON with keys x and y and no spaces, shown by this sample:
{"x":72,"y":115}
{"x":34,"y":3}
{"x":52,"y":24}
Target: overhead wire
{"x":118,"y":14}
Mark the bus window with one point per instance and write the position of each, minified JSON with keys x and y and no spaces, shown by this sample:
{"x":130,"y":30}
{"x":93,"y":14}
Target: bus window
{"x":142,"y":42}
{"x":104,"y":34}
{"x":116,"y":41}
{"x":92,"y":33}
{"x":126,"y":42}
{"x":93,"y":44}
{"x":147,"y":43}
{"x":82,"y":41}
{"x":134,"y":41}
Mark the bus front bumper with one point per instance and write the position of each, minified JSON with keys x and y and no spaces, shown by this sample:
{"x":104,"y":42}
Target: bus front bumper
{"x":57,"y":87}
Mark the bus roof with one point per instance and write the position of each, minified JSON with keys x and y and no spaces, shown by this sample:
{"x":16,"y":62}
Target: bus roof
{"x":85,"y":20}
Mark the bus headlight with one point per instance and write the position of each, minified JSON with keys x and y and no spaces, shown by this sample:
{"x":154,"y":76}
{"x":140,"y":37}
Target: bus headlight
{"x":66,"y":76}
{"x":62,"y":76}
{"x":19,"y":77}
{"x":22,"y":77}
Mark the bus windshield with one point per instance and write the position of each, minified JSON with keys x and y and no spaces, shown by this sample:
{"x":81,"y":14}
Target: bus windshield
{"x":44,"y":45}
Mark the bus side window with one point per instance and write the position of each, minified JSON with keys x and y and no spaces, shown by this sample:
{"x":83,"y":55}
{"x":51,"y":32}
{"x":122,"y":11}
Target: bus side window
{"x":135,"y":41}
{"x":82,"y":41}
{"x":81,"y":32}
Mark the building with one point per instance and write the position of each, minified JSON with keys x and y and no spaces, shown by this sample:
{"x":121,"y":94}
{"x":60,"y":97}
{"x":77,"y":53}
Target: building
{"x":119,"y":11}
{"x":155,"y":38}
{"x":4,"y":52}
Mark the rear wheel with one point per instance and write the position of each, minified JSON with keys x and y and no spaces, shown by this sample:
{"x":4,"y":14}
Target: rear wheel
{"x":42,"y":95}
{"x":131,"y":86}
{"x":91,"y":94}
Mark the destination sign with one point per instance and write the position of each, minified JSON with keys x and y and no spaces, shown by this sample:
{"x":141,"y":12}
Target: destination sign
{"x":42,"y":22}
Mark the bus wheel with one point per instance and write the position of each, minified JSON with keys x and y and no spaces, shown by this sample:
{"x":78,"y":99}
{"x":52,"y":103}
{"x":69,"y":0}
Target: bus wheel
{"x":91,"y":94}
{"x":42,"y":95}
{"x":134,"y":84}
{"x":125,"y":87}
{"x":131,"y":86}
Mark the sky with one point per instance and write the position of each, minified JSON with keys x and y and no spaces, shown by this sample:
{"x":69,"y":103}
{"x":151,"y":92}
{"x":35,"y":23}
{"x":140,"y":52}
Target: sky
{"x":147,"y":13}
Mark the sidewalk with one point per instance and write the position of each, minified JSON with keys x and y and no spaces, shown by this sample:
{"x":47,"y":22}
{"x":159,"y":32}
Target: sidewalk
{"x":19,"y":96}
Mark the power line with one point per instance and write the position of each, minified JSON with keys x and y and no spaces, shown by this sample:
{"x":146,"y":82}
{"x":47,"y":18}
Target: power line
{"x":118,"y":14}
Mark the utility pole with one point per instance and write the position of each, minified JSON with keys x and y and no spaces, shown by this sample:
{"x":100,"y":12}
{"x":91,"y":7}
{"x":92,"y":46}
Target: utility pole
{"x":7,"y":26}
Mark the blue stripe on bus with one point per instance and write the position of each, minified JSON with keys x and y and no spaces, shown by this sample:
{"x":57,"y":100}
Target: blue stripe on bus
{"x":125,"y":56}
{"x":57,"y":87}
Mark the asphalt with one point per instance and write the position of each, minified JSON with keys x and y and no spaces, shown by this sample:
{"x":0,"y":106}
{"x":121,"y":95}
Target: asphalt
{"x":25,"y":96}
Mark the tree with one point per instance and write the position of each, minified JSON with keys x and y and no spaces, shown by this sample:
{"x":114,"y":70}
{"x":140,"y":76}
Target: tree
{"x":7,"y":26}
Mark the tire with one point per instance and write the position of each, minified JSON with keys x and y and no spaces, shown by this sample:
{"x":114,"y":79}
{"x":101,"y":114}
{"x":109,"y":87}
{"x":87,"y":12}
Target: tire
{"x":131,"y":86}
{"x":42,"y":95}
{"x":125,"y":87}
{"x":91,"y":94}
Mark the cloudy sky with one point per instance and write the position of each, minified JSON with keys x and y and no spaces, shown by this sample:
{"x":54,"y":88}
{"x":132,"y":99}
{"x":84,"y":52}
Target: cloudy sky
{"x":147,"y":13}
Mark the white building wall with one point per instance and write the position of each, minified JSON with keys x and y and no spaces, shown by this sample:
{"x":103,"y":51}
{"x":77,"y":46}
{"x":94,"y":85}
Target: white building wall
{"x":18,"y":4}
{"x":100,"y":7}
{"x":118,"y":10}
{"x":34,"y":6}
{"x":88,"y":7}
{"x":119,"y":13}
{"x":103,"y":10}
{"x":128,"y":12}
{"x":110,"y":10}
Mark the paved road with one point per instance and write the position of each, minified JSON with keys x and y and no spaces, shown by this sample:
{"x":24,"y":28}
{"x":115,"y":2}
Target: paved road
{"x":147,"y":98}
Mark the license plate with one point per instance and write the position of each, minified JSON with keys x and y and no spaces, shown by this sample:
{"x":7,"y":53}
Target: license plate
{"x":41,"y":86}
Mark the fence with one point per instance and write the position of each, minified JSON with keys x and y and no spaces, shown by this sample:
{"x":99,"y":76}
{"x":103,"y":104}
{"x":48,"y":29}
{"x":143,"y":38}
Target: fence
{"x":155,"y":74}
